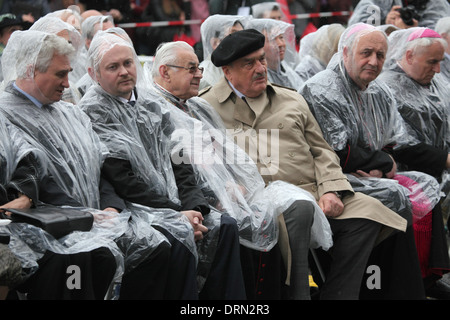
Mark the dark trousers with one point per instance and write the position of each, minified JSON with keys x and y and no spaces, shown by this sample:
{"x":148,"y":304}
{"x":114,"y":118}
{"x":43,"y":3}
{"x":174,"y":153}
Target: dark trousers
{"x":182,"y":271}
{"x":147,"y":281}
{"x":225,"y":280}
{"x":265,"y":272}
{"x":51,"y":281}
{"x":346,"y":262}
{"x":299,"y":218}
{"x":400,"y":270}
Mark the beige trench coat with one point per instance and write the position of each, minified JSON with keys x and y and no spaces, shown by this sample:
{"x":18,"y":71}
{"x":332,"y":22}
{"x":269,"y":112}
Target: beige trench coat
{"x":282,"y":136}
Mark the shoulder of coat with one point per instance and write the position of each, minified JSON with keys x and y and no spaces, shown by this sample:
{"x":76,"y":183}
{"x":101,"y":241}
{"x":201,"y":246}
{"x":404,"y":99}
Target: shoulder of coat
{"x":204,"y":90}
{"x":284,"y":87}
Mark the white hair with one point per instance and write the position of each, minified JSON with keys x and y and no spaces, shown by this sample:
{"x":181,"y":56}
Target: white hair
{"x":418,"y":45}
{"x":443,"y":26}
{"x":166,"y":53}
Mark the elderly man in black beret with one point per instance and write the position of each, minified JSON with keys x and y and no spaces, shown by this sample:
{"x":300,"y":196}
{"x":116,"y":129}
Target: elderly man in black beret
{"x":247,"y":101}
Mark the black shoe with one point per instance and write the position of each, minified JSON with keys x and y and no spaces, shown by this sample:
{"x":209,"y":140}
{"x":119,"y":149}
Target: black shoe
{"x":440,"y":290}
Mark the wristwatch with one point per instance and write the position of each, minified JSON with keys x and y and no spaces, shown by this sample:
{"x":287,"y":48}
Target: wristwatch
{"x":337,"y":193}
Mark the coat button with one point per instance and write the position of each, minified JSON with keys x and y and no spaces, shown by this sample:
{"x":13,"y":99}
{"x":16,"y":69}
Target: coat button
{"x":280,"y":126}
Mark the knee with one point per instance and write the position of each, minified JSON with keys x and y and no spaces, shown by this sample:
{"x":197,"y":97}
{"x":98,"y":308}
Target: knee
{"x":228,"y":227}
{"x":228,"y":222}
{"x":300,"y":212}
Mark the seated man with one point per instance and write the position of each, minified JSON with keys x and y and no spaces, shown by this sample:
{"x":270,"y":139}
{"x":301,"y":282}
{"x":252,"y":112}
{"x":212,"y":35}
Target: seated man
{"x":360,"y":121}
{"x":248,"y":103}
{"x":236,"y":183}
{"x":423,"y":100}
{"x":19,"y":189}
{"x":139,"y":164}
{"x":72,"y":154}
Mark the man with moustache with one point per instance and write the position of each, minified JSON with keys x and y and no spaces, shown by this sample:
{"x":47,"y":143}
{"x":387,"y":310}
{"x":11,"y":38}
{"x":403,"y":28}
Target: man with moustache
{"x":245,"y":100}
{"x":260,"y":211}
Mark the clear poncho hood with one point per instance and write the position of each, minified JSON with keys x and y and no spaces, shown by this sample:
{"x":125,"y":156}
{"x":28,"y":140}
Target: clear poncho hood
{"x":279,"y":70}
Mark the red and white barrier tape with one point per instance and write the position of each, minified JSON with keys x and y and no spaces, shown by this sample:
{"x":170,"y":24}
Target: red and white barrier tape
{"x":189,"y":22}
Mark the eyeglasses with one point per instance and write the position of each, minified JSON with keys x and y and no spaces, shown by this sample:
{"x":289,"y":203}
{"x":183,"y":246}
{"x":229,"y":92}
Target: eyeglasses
{"x":192,"y":70}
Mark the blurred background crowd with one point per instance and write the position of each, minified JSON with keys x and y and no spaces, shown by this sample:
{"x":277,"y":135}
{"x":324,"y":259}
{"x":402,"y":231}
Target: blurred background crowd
{"x":147,"y":38}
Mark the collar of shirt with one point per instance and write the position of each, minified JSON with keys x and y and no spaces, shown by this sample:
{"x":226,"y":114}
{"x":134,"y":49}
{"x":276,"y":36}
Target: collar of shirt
{"x":180,"y":103}
{"x":133,"y":98}
{"x":32,"y":99}
{"x":238,"y":93}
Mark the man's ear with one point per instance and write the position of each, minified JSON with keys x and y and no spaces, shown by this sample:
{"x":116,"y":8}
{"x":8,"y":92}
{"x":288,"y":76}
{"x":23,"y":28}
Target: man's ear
{"x":227,"y":72}
{"x":31,"y":70}
{"x":345,"y":53}
{"x":409,"y":57}
{"x":92,"y":74}
{"x":163,"y":72}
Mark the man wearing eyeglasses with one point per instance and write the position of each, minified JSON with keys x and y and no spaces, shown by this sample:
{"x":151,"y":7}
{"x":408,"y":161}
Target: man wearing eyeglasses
{"x":139,"y":166}
{"x":184,"y":85}
{"x":240,"y":188}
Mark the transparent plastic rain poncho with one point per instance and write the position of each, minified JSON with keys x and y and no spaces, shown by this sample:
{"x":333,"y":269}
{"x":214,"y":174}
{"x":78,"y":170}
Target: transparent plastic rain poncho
{"x":89,"y":28}
{"x":425,"y":109}
{"x":280,"y":70}
{"x":13,"y":149}
{"x":141,"y":135}
{"x":234,"y":178}
{"x":71,"y":15}
{"x":73,"y":155}
{"x":86,"y":81}
{"x":375,"y":11}
{"x":316,"y":50}
{"x":213,"y":30}
{"x":443,"y":28}
{"x":53,"y":24}
{"x":366,"y":118}
{"x":27,"y":242}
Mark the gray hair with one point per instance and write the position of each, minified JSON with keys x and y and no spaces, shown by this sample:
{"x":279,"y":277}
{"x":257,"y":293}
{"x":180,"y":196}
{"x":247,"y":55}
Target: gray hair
{"x":419,"y":44}
{"x":166,"y":53}
{"x":443,"y":26}
{"x":52,"y":44}
{"x":89,"y":25}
